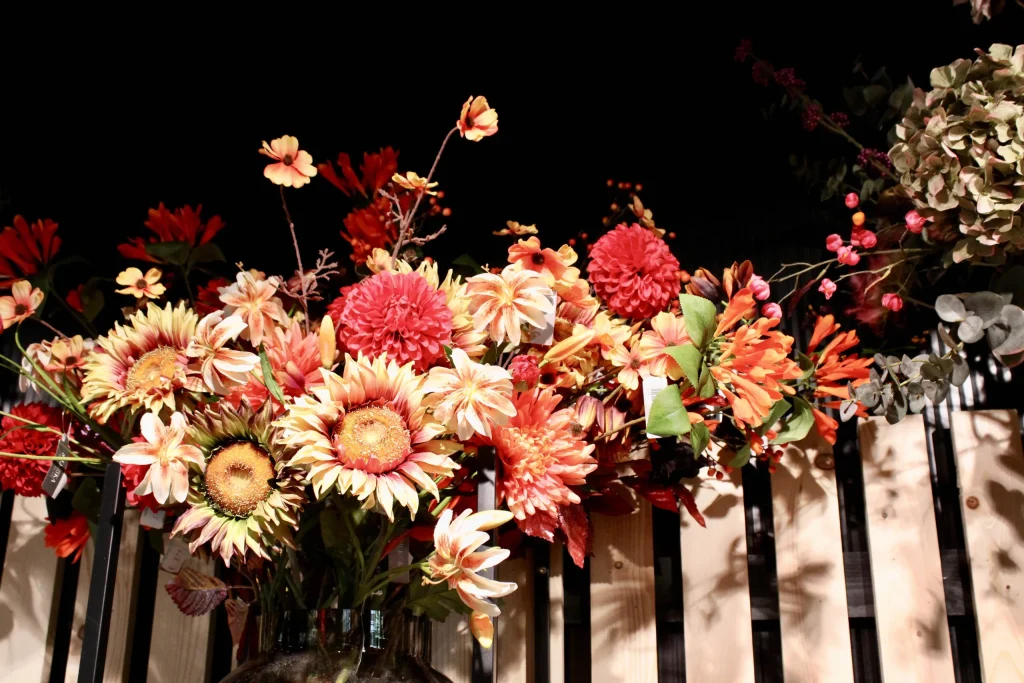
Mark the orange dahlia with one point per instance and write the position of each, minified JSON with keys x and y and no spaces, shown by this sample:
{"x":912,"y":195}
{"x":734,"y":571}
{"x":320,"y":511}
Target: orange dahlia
{"x":295,"y":359}
{"x":398,"y":316}
{"x":469,"y":397}
{"x":141,"y":364}
{"x":633,"y":271}
{"x":540,"y":458}
{"x":367,"y":433}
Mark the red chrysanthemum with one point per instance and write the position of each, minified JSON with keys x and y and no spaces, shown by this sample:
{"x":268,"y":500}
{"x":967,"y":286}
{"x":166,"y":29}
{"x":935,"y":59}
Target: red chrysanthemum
{"x":21,"y":474}
{"x":68,"y":536}
{"x":633,"y":271}
{"x":397,"y":314}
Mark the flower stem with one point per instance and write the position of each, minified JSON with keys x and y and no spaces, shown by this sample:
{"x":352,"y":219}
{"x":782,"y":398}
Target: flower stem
{"x":404,"y":232}
{"x":82,"y":320}
{"x":298,"y":260}
{"x":605,"y":435}
{"x":26,"y":456}
{"x":50,"y":327}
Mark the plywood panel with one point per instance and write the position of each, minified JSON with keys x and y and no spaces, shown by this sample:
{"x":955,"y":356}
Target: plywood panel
{"x":122,"y":611}
{"x":180,"y":649}
{"x":813,"y":617}
{"x":556,"y":616}
{"x":716,"y":592}
{"x":910,"y":609}
{"x":513,"y":658}
{"x":623,"y":642}
{"x":991,"y":470}
{"x":451,"y":648}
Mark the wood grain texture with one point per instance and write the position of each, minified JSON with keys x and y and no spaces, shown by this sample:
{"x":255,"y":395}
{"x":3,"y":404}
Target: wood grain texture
{"x":451,"y":648}
{"x":122,"y":611}
{"x":910,"y":610}
{"x":716,"y":591}
{"x":623,"y":641}
{"x":29,"y":586}
{"x":813,"y":617}
{"x":180,"y":649}
{"x":513,"y":655}
{"x":556,"y":616}
{"x":990,"y":465}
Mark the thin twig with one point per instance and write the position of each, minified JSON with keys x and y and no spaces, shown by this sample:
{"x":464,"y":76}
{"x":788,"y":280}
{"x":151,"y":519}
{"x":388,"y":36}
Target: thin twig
{"x":403,"y":233}
{"x":50,"y":327}
{"x":606,"y":435}
{"x":298,"y":260}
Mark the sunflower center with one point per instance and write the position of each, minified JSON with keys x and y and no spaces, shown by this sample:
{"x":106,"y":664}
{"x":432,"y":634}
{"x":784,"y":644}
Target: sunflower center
{"x":153,"y":367}
{"x":288,"y":160}
{"x":20,"y":309}
{"x":238,"y":478}
{"x":374,"y":439}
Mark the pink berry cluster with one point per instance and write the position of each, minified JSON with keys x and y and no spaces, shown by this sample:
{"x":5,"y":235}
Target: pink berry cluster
{"x":761,"y":72}
{"x":840,"y":119}
{"x":859,"y":236}
{"x":869,"y":155}
{"x":743,"y":50}
{"x":811,"y":117}
{"x":787,"y":79}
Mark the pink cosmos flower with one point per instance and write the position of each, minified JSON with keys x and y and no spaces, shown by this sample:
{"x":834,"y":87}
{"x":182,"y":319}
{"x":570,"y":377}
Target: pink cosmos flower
{"x":828,"y":288}
{"x":294,"y":166}
{"x":478,"y":120}
{"x":21,"y":304}
{"x":167,"y":457}
{"x":848,"y":256}
{"x":915,"y":222}
{"x":852,"y":200}
{"x":833,"y":242}
{"x":221,"y":368}
{"x":254,"y":302}
{"x":772,"y":310}
{"x":469,"y":397}
{"x":892,"y":301}
{"x":761,"y":289}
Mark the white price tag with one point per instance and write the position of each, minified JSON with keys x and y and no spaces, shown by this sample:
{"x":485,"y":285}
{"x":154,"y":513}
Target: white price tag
{"x":399,"y":557}
{"x":175,"y":554}
{"x":652,"y":386}
{"x":151,"y":519}
{"x":545,"y":336}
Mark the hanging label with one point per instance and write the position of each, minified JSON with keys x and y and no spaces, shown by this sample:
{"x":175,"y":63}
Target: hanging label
{"x":545,"y":336}
{"x":153,"y":519}
{"x":652,"y":386}
{"x":175,"y":554}
{"x":400,"y":557}
{"x":55,"y":480}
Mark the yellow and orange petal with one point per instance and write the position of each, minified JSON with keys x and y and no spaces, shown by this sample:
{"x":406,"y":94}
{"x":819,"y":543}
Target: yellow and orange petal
{"x":413,"y":182}
{"x":469,"y":398}
{"x":21,"y":304}
{"x":667,"y":330}
{"x":141,"y":286}
{"x":477,"y":120}
{"x":503,"y":304}
{"x":293,"y":168}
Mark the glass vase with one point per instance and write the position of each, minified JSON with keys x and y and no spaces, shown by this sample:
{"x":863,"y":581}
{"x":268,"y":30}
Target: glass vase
{"x":396,"y":647}
{"x":304,"y":646}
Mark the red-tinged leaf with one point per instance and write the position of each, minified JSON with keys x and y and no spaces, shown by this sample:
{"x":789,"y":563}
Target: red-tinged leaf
{"x":422,"y":532}
{"x":612,"y":500}
{"x":686,"y":498}
{"x":660,"y":496}
{"x":511,"y":540}
{"x":196,"y":594}
{"x":579,"y":533}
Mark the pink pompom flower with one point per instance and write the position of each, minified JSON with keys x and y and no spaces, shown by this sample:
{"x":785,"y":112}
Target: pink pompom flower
{"x":833,"y":242}
{"x":634,"y":272}
{"x":915,"y":222}
{"x":828,"y":288}
{"x":772,"y":310}
{"x":852,"y":200}
{"x":761,"y":289}
{"x":848,"y":256}
{"x":892,"y":301}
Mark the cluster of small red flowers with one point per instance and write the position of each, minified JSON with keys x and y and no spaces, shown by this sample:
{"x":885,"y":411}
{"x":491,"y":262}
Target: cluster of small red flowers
{"x":787,"y":79}
{"x":840,"y":119}
{"x":761,"y":73}
{"x":743,"y":50}
{"x":868,"y":155}
{"x":26,"y":475}
{"x":811,"y":117}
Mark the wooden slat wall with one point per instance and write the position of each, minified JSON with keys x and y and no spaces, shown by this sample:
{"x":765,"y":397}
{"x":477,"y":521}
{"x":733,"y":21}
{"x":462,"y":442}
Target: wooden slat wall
{"x":910,"y":607}
{"x":451,"y":648}
{"x":813,"y":617}
{"x":556,"y":616}
{"x":514,"y":660}
{"x":991,"y":469}
{"x":716,"y":591}
{"x":180,"y":649}
{"x":27,"y":593}
{"x":625,"y":648}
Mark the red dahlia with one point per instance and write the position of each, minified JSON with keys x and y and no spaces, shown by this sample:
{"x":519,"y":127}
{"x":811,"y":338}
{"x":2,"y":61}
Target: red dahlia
{"x":399,"y":315}
{"x":21,"y":474}
{"x":633,"y":271}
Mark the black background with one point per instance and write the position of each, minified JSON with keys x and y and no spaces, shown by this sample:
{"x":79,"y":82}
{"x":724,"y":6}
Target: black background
{"x":100,"y":127}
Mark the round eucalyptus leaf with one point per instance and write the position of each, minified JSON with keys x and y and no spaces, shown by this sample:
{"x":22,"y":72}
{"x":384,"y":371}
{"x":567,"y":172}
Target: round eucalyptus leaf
{"x":950,"y":308}
{"x":985,"y":305}
{"x":971,"y":330}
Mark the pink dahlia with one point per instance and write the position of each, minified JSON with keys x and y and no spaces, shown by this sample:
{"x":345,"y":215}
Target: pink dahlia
{"x":633,"y":271}
{"x":398,"y":315}
{"x":541,"y":458}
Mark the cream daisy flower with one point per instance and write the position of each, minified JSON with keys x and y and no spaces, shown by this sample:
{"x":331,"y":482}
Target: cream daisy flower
{"x":469,"y":397}
{"x":502,"y":304}
{"x":141,"y":286}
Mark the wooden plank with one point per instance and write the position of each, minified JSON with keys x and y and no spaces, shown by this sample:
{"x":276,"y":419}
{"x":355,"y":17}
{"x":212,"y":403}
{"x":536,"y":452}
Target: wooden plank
{"x":556,"y":616}
{"x":29,"y":586}
{"x":451,"y":648}
{"x":513,"y":655}
{"x":716,"y":593}
{"x":122,"y":613}
{"x":813,"y":618}
{"x":910,"y":611}
{"x":991,"y":470}
{"x":180,"y":649}
{"x":623,"y":641}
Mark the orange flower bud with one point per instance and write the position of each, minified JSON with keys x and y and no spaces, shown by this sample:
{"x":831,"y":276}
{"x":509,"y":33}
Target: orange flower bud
{"x":858,"y":218}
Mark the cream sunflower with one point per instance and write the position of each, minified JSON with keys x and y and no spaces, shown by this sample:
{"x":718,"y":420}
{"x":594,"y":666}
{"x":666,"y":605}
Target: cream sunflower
{"x":368,"y":433}
{"x":247,"y":500}
{"x":141,"y":364}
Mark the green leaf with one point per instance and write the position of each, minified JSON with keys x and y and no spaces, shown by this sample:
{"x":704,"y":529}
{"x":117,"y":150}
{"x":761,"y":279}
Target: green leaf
{"x":206,"y":253}
{"x":87,"y":499}
{"x":467,"y":261}
{"x":170,"y":252}
{"x":798,"y":424}
{"x":447,"y":352}
{"x":779,"y":408}
{"x":690,"y":360}
{"x":742,"y":457}
{"x":699,"y":316}
{"x":806,"y":365}
{"x":268,"y":376}
{"x":92,"y":299}
{"x":700,"y":437}
{"x":707,"y":382}
{"x":668,"y":414}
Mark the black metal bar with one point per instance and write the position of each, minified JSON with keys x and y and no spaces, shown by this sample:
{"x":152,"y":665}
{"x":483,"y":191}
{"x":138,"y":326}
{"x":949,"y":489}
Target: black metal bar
{"x":483,"y":660}
{"x":62,"y":624}
{"x":541,"y":607}
{"x":6,"y":510}
{"x":149,"y":571}
{"x":104,"y":571}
